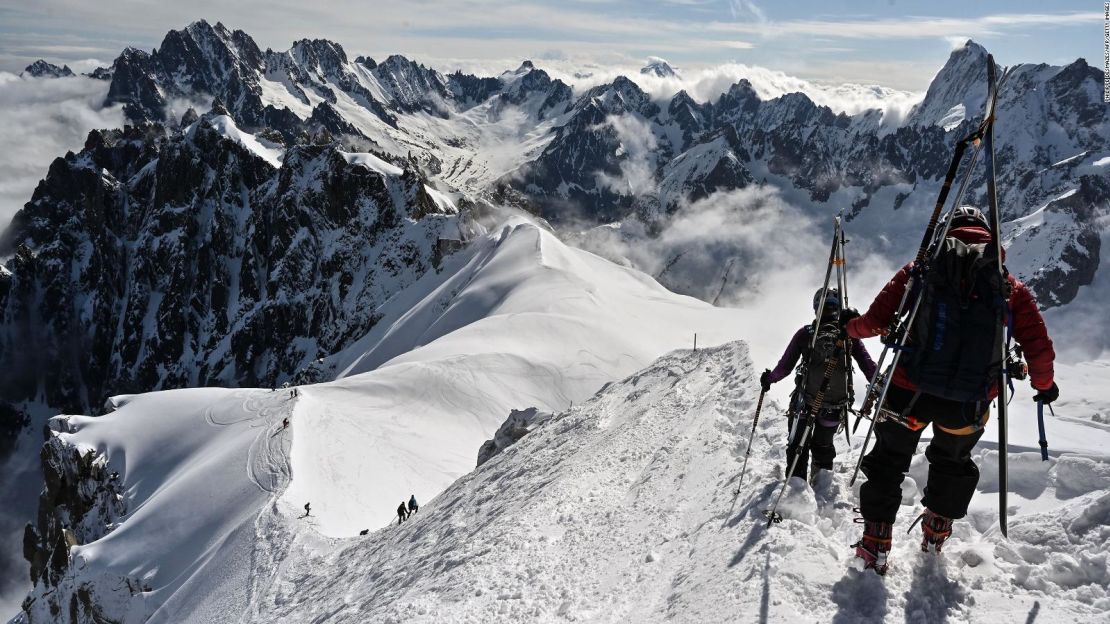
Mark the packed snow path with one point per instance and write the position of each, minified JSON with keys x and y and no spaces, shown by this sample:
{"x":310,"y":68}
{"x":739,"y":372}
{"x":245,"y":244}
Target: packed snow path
{"x":203,"y":468}
{"x":619,"y":511}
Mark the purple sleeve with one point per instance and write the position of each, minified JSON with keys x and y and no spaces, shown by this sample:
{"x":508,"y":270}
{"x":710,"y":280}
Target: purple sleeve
{"x":863,"y":358}
{"x":790,"y":357}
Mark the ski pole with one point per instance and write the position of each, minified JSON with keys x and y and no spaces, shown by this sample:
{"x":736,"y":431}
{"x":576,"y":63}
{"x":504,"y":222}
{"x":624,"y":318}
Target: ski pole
{"x":748,"y":453}
{"x":1040,"y":428}
{"x":772,"y":514}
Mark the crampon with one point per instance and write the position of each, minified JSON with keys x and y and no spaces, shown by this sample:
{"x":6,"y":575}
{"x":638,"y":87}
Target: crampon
{"x":935,"y":530}
{"x":873,"y":547}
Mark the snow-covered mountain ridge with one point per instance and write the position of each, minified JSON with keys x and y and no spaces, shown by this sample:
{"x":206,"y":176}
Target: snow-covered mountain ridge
{"x":619,"y":509}
{"x":206,"y":256}
{"x":614,"y":152}
{"x":293,"y":232}
{"x":518,"y":320}
{"x":611,"y":153}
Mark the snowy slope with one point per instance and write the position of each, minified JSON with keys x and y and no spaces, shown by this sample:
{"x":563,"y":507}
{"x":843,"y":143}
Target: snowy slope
{"x":621,"y":510}
{"x":199,"y":465}
{"x":519,"y":320}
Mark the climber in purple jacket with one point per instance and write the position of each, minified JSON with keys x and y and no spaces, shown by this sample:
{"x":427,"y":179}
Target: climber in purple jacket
{"x":838,"y":394}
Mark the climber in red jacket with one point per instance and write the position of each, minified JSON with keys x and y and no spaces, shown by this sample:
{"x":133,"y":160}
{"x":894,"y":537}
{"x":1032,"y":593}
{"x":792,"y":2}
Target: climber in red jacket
{"x":957,"y":425}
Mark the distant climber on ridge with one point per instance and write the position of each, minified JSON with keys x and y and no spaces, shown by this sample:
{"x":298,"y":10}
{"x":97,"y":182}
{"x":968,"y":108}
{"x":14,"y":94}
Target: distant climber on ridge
{"x":402,"y":513}
{"x":307,"y":509}
{"x":963,"y":322}
{"x":413,"y":507}
{"x":837,"y":396}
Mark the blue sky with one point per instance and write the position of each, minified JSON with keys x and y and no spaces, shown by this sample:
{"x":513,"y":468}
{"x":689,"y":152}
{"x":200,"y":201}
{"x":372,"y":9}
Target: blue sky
{"x":890,"y":42}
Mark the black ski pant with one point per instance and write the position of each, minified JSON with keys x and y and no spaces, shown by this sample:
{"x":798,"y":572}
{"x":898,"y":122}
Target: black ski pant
{"x":819,"y":445}
{"x":953,"y":476}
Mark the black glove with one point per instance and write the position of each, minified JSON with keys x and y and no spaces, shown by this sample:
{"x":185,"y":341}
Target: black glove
{"x":1047,"y":396}
{"x":765,"y":380}
{"x":847,"y":314}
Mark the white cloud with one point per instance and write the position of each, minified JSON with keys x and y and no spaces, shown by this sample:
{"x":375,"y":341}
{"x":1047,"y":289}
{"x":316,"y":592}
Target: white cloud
{"x":637,"y":153}
{"x":706,"y":84}
{"x":40,"y":119}
{"x":909,"y":27}
{"x":746,"y":9}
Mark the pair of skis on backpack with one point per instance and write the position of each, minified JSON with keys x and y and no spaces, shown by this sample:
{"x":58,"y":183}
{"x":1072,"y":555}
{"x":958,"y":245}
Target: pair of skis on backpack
{"x":898,"y":341}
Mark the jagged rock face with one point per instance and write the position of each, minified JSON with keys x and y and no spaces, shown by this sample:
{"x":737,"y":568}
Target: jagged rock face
{"x":614,"y":152}
{"x":534,"y":89}
{"x":961,"y":84}
{"x":713,"y":165}
{"x":154,"y":261}
{"x":469,"y":91}
{"x":80,"y":503}
{"x":42,"y":69}
{"x":101,"y":73}
{"x":136,"y":256}
{"x":1056,"y":250}
{"x":1046,"y":115}
{"x":413,"y":86}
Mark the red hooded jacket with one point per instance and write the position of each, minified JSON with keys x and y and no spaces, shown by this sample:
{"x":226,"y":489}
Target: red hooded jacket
{"x":1029,"y":328}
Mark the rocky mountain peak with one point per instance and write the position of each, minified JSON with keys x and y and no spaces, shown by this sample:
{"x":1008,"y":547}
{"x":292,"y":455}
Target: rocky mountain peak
{"x":621,"y":95}
{"x":659,"y":68}
{"x":100,"y":73}
{"x":321,"y":55}
{"x":42,"y":69}
{"x":412,"y":85}
{"x":957,"y":92}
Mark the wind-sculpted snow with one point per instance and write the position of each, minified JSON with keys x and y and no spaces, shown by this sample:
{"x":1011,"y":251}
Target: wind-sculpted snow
{"x":622,"y":509}
{"x":197,"y":467}
{"x":519,"y":320}
{"x":302,"y":229}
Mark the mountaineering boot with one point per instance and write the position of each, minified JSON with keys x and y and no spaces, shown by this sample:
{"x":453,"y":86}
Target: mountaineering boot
{"x":873,"y":547}
{"x":935,"y":529}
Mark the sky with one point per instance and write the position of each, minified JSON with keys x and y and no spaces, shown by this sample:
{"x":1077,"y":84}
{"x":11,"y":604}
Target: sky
{"x":894,"y":43}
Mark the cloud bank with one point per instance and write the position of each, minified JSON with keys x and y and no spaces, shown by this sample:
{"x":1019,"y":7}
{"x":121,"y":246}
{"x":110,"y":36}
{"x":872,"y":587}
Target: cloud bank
{"x":40,"y":119}
{"x":705,"y":84}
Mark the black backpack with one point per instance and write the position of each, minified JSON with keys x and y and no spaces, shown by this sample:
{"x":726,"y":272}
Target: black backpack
{"x":837,"y":393}
{"x":954,"y":347}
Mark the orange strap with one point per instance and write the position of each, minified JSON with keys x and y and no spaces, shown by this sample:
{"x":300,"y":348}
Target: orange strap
{"x":968,"y":430}
{"x":915,"y":424}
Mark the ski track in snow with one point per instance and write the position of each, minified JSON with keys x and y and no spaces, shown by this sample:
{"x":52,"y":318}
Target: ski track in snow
{"x":622,"y":510}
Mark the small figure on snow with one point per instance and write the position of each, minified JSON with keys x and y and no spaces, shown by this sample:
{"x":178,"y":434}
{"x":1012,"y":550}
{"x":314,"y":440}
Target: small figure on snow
{"x":936,"y":386}
{"x":402,"y":513}
{"x":413,"y":507}
{"x":285,"y":423}
{"x":307,"y":509}
{"x":838,"y":393}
